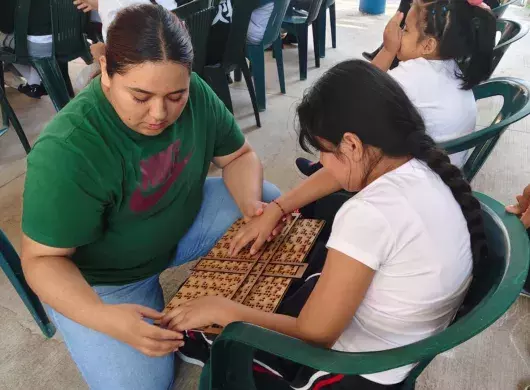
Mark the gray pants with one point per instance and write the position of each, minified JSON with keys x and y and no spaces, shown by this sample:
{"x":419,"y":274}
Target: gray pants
{"x":38,"y":50}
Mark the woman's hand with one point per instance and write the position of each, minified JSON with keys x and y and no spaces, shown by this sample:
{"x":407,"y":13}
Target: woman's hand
{"x":393,"y":34}
{"x":86,"y":5}
{"x":254,"y":209}
{"x":521,"y":208}
{"x":259,"y":229}
{"x":201,"y":312}
{"x":125,"y":322}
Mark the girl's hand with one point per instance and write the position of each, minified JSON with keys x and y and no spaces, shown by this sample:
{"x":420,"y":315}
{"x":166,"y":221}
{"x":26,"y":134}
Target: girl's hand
{"x":393,"y":34}
{"x":201,"y":312}
{"x":259,"y":229}
{"x":522,"y":207}
{"x":126,"y":322}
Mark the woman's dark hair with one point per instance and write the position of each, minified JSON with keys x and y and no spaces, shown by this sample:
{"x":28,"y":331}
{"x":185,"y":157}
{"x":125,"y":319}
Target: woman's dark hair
{"x":464,"y":32}
{"x":356,"y":97}
{"x":146,"y":33}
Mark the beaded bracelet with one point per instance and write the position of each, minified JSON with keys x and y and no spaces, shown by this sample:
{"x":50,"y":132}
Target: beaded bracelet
{"x":281,"y":208}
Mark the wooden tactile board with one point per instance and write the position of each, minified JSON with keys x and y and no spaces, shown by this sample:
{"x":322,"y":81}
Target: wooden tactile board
{"x":259,"y":281}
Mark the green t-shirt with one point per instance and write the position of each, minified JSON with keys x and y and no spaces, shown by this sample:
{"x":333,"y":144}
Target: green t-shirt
{"x":124,"y":200}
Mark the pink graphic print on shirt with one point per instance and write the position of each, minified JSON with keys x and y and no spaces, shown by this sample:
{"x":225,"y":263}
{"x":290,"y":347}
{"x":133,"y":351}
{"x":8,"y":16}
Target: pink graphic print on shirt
{"x":160,"y":170}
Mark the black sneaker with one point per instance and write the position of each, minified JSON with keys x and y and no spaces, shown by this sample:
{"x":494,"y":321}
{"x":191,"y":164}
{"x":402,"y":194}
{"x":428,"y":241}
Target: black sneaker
{"x":369,"y":56}
{"x":306,"y":166}
{"x":196,"y":349}
{"x":34,"y":91}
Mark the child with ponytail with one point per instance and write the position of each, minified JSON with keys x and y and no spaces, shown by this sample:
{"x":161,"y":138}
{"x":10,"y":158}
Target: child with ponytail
{"x":401,"y":251}
{"x":445,"y":49}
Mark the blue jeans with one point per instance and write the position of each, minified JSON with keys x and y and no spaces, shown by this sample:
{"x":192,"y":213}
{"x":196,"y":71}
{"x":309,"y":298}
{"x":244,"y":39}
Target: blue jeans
{"x":109,"y":364}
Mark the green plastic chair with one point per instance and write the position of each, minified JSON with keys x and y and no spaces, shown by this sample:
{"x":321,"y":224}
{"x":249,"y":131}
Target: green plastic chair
{"x":327,"y":4}
{"x":510,"y":32}
{"x":198,"y":16}
{"x":256,"y":53}
{"x":10,"y":264}
{"x":501,"y":9}
{"x":516,"y":106}
{"x":69,"y":43}
{"x":496,"y":285}
{"x":9,"y":116}
{"x":234,"y":57}
{"x":299,"y":26}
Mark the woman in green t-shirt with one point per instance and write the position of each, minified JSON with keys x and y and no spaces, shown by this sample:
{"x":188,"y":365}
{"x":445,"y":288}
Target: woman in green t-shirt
{"x":116,"y":192}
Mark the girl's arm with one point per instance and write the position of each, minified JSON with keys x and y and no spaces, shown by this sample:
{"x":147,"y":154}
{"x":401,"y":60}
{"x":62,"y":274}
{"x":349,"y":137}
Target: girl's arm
{"x":259,"y":229}
{"x":325,"y":315}
{"x":383,"y":60}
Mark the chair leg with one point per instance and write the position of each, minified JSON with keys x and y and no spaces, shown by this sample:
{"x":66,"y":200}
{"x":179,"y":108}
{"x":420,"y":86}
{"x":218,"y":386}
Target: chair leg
{"x":64,"y":71}
{"x":257,"y":59}
{"x":53,"y":80}
{"x":333,"y":23}
{"x":277,"y":50}
{"x":322,"y":31}
{"x":215,"y":76}
{"x":248,"y":79}
{"x":5,"y":118}
{"x":28,"y":297}
{"x":302,"y":32}
{"x":237,"y":75}
{"x":16,"y":124}
{"x":316,"y":42}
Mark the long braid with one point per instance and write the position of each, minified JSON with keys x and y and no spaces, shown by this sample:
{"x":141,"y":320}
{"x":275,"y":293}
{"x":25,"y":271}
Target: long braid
{"x":423,"y":148}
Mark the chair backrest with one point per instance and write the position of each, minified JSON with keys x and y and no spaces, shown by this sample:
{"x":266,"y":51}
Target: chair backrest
{"x":486,"y":291}
{"x":237,"y":37}
{"x":198,"y":16}
{"x":516,"y":106}
{"x":501,"y":9}
{"x":274,"y":25}
{"x":496,"y":284}
{"x":510,"y":32}
{"x":10,"y":264}
{"x":314,"y":10}
{"x":68,"y":26}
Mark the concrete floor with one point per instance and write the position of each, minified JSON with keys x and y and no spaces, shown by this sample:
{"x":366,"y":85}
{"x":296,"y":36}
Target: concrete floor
{"x":497,"y":359}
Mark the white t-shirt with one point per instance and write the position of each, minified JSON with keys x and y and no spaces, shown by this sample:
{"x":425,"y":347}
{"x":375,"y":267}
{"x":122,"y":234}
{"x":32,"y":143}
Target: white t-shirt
{"x":407,"y":226}
{"x":448,"y":111}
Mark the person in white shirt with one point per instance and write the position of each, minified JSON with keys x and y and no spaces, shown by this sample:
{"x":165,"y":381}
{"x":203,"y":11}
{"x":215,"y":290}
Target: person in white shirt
{"x":445,"y":49}
{"x":401,"y":251}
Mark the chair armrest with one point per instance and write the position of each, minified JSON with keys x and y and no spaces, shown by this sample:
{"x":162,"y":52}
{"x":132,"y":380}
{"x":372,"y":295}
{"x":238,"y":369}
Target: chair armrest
{"x":502,"y":86}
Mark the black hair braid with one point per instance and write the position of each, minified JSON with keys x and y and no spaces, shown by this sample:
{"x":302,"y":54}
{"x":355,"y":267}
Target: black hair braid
{"x":423,"y":148}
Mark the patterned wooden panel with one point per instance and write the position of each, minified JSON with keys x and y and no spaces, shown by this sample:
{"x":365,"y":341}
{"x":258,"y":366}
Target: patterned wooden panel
{"x":259,"y":281}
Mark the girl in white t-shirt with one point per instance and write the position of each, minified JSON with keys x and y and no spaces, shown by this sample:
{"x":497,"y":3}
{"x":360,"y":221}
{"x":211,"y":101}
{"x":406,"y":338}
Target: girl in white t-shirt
{"x":401,"y":251}
{"x":445,"y":49}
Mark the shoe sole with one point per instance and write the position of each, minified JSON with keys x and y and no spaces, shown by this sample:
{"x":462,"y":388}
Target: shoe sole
{"x":190,"y":360}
